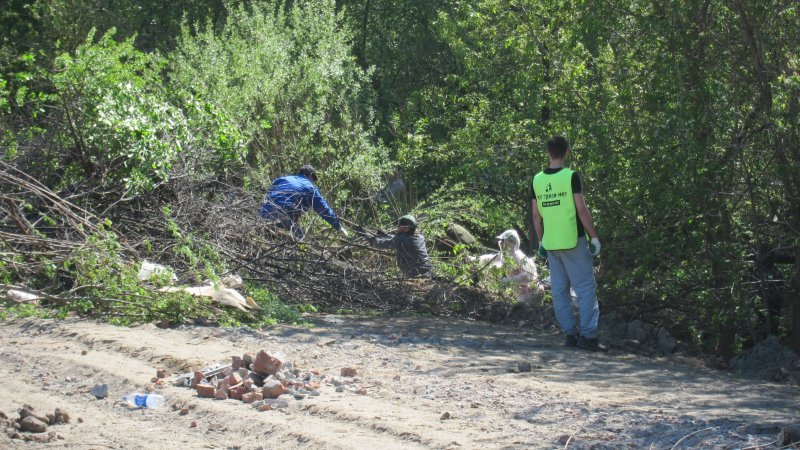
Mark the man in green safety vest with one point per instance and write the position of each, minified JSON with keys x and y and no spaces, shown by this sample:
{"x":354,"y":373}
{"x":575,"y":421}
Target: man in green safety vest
{"x":562,"y":220}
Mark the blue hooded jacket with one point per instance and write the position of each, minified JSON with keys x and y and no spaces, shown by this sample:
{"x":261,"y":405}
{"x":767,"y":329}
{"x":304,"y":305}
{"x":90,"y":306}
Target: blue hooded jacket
{"x":296,"y":194}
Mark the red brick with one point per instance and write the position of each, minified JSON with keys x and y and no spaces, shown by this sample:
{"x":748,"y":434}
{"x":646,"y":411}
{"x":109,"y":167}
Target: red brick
{"x":349,"y":371}
{"x":219,"y":394}
{"x":249,"y":397}
{"x":258,"y":396}
{"x":162,"y":373}
{"x":265,"y":364}
{"x":234,"y":378}
{"x":198,"y":377}
{"x":205,"y":390}
{"x":237,"y":391}
{"x":272,"y":389}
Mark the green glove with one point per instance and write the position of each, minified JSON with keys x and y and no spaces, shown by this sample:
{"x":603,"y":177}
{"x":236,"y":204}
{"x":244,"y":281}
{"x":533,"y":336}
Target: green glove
{"x":542,"y":252}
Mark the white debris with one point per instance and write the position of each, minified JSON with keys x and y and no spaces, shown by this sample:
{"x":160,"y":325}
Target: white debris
{"x":21,"y":296}
{"x":150,"y":270}
{"x":223,"y":296}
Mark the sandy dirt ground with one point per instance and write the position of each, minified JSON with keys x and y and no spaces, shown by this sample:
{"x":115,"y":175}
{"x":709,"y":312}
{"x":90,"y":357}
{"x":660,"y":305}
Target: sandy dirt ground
{"x":430,"y":383}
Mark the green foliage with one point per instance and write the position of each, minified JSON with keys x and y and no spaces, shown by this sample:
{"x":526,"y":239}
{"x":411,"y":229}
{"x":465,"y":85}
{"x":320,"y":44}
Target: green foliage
{"x":272,"y":311}
{"x":218,"y":147}
{"x":400,"y":43}
{"x":307,"y":308}
{"x":26,"y":310}
{"x":106,"y":286}
{"x":202,"y":259}
{"x":287,"y":81}
{"x":469,"y":207}
{"x":4,"y":100}
{"x":118,"y":122}
{"x":64,"y":24}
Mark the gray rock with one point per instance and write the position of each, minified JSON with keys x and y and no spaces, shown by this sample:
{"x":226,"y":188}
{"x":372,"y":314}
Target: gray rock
{"x":275,"y":403}
{"x":666,"y":343}
{"x":634,"y":329}
{"x":257,"y":379}
{"x":33,"y":425}
{"x":524,"y":366}
{"x":100,"y":391}
{"x":644,"y":333}
{"x":459,"y":234}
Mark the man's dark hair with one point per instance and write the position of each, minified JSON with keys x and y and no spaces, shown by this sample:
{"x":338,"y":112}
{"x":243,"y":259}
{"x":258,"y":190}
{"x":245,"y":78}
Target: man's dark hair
{"x":309,"y":172}
{"x":557,"y":147}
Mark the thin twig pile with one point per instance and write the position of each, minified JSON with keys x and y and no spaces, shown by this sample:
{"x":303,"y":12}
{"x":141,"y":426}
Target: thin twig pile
{"x":36,"y":224}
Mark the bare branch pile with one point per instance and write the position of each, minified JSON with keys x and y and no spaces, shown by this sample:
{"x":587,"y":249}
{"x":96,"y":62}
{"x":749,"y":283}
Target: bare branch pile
{"x":39,"y":226}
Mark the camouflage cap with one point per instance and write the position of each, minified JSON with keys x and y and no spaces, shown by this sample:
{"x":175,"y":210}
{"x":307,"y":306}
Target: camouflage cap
{"x":407,"y":221}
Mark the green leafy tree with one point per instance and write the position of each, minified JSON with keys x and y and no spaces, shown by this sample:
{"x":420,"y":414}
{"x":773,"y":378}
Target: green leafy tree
{"x":118,"y":125}
{"x":287,"y":79}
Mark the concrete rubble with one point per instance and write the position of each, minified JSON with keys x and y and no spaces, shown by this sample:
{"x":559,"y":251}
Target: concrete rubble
{"x":266,"y":381}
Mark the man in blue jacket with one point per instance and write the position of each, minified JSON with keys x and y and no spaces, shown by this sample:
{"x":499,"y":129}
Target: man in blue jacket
{"x":292,"y":195}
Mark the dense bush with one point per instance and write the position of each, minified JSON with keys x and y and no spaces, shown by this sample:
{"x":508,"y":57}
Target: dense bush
{"x":286,"y":77}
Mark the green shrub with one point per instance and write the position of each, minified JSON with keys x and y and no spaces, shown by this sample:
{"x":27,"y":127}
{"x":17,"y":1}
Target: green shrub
{"x":287,"y":81}
{"x":118,"y":125}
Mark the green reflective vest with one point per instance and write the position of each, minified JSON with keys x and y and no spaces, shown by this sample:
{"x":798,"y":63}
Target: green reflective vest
{"x":557,"y":207}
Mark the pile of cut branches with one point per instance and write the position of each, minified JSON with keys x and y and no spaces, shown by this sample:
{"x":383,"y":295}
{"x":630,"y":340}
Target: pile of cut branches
{"x":202,"y":237}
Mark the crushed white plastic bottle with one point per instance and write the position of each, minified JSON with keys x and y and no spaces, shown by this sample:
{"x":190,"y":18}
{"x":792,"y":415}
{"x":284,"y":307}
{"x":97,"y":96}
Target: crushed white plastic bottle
{"x":150,"y":401}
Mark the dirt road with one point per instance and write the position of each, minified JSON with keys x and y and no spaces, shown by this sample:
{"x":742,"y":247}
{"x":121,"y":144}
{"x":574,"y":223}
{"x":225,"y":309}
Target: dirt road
{"x":414,"y":371}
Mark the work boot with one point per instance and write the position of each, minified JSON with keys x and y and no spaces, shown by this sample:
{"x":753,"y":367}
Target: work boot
{"x":591,"y":344}
{"x":571,"y":341}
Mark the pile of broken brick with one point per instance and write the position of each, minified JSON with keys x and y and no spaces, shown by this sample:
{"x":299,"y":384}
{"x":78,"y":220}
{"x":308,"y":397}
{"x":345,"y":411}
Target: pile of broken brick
{"x":266,"y":381}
